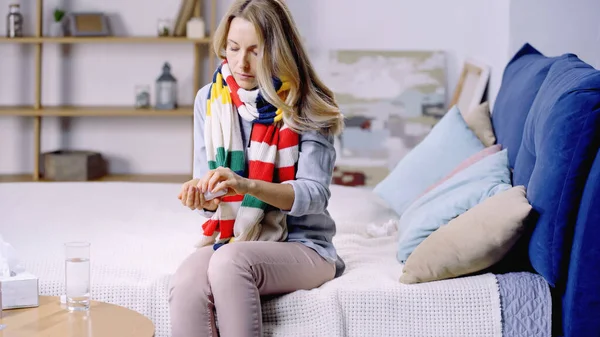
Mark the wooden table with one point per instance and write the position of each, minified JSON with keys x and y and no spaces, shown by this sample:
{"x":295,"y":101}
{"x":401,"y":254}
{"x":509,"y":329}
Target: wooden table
{"x":52,"y":319}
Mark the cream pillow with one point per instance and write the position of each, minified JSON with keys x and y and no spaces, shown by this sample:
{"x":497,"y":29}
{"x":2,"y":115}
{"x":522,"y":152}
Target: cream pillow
{"x":471,"y":242}
{"x":480,"y":122}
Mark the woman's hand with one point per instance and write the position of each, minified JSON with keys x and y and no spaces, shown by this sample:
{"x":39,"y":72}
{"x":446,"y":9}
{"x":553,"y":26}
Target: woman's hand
{"x":192,"y":196}
{"x":224,"y":178}
{"x":275,"y":194}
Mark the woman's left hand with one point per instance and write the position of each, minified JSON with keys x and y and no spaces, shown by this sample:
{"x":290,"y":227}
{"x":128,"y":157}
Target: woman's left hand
{"x":224,"y":178}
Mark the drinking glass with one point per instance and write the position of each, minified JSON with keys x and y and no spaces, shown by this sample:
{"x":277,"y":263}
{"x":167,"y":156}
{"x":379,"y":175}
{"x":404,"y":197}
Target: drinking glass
{"x":77,"y":275}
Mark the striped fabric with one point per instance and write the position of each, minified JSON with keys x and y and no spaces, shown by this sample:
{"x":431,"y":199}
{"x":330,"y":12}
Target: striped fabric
{"x":272,"y":155}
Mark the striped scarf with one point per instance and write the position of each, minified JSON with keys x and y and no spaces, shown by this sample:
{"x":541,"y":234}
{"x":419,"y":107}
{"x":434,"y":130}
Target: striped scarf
{"x":272,"y":156}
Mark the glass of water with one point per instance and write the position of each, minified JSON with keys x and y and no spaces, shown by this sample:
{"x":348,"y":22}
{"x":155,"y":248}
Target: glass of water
{"x":77,"y":275}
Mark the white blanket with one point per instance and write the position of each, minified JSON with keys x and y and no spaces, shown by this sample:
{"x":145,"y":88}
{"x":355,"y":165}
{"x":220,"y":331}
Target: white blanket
{"x":140,"y":233}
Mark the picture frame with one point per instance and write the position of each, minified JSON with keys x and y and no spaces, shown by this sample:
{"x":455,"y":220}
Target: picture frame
{"x":86,"y":24}
{"x":471,"y":86}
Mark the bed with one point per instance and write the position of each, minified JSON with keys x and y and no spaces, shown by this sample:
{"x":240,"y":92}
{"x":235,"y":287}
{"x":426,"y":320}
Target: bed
{"x":140,"y":233}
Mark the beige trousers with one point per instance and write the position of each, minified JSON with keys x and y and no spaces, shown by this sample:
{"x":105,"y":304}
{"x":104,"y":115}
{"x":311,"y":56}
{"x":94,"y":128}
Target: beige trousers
{"x":231,"y":280}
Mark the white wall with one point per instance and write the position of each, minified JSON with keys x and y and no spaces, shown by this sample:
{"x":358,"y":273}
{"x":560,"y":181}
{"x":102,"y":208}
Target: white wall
{"x":464,"y":28}
{"x":107,"y":75}
{"x":556,"y":27}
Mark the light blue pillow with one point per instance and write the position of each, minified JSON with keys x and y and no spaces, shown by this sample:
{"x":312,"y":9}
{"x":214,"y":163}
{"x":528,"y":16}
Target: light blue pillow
{"x":447,"y":145}
{"x":450,"y":199}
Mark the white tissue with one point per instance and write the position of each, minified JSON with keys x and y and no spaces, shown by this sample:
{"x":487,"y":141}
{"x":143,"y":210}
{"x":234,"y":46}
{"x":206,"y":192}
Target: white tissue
{"x":388,"y":228}
{"x":9,"y":263}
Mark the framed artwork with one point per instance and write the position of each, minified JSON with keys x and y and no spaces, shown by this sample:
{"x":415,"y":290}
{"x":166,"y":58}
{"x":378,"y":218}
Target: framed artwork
{"x":390,"y":101}
{"x":471,"y":85}
{"x":87,"y":24}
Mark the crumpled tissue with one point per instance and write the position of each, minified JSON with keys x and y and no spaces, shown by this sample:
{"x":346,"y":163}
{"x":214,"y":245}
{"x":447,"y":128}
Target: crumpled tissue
{"x":387,"y":228}
{"x":9,"y":263}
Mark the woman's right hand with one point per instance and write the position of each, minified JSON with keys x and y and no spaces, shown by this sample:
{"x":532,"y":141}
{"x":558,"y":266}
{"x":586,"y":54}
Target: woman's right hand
{"x":192,"y":196}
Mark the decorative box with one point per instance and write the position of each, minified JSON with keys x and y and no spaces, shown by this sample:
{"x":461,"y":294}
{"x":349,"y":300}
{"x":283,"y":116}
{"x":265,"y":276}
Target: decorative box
{"x":19,"y":291}
{"x":195,"y":29}
{"x":73,"y":165}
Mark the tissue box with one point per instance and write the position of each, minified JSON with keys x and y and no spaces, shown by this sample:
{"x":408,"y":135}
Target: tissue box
{"x":19,"y":291}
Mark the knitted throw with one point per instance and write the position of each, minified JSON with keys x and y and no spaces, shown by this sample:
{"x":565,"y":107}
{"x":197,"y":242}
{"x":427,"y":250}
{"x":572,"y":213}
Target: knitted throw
{"x":272,"y":157}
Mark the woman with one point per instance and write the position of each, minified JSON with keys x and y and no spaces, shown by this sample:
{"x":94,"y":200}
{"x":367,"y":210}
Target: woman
{"x":263,"y":131}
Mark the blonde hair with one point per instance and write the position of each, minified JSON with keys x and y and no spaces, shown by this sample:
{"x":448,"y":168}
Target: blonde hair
{"x":310,"y":105}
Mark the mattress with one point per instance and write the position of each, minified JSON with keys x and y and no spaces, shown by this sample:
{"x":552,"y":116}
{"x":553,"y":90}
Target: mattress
{"x":140,"y":233}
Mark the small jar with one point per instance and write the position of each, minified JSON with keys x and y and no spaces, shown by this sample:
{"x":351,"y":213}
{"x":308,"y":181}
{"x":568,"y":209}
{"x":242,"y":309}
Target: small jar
{"x":164,"y":27}
{"x":142,"y":96}
{"x":14,"y":21}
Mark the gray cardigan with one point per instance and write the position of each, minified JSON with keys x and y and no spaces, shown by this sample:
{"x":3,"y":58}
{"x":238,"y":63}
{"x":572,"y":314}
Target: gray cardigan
{"x":308,"y":221}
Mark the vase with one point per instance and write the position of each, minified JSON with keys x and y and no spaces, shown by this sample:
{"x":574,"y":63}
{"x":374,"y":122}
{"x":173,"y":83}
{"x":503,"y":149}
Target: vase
{"x":56,"y":29}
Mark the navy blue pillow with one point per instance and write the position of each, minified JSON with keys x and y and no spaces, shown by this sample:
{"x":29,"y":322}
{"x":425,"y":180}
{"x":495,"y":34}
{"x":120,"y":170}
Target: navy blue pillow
{"x":580,"y":302}
{"x":521,"y":81}
{"x":560,"y":140}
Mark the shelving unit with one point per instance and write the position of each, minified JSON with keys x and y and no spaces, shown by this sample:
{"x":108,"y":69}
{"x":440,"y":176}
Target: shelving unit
{"x":148,"y":178}
{"x":103,"y":40}
{"x":37,"y":111}
{"x":109,"y":111}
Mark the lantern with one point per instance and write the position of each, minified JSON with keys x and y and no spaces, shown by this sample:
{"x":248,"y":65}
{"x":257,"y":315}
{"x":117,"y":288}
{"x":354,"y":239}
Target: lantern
{"x":166,"y":89}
